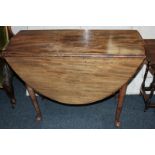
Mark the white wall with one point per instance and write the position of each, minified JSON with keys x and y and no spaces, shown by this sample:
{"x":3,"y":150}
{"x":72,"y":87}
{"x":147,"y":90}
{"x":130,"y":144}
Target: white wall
{"x":147,"y":32}
{"x":16,"y":29}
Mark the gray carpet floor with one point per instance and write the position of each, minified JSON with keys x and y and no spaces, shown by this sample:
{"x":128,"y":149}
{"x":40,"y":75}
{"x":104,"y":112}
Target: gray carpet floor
{"x":59,"y":116}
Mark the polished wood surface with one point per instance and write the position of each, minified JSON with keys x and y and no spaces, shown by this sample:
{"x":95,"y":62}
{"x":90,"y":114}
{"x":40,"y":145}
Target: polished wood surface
{"x":76,"y":66}
{"x":81,"y":43}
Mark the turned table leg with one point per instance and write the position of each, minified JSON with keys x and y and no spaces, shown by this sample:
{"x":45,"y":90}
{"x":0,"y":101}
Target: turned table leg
{"x":34,"y":102}
{"x":121,"y":95}
{"x":7,"y":83}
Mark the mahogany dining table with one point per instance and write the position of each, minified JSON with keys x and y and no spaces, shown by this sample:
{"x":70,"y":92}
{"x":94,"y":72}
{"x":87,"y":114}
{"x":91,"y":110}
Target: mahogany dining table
{"x":76,"y":66}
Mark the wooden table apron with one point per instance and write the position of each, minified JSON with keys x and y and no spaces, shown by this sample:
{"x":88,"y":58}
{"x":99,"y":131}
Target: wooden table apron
{"x":76,"y":66}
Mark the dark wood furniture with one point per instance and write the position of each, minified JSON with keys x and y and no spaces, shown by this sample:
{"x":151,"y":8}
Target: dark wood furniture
{"x":150,"y":67}
{"x":76,"y":66}
{"x":6,"y":74}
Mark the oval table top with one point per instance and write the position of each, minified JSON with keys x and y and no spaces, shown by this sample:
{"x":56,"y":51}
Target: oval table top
{"x":76,"y":66}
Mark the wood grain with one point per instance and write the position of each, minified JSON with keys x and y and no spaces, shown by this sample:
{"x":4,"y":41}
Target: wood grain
{"x":76,"y":66}
{"x":75,"y":80}
{"x":89,"y":43}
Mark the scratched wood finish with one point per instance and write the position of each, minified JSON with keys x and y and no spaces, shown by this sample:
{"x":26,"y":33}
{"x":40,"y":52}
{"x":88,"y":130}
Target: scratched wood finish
{"x":76,"y":66}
